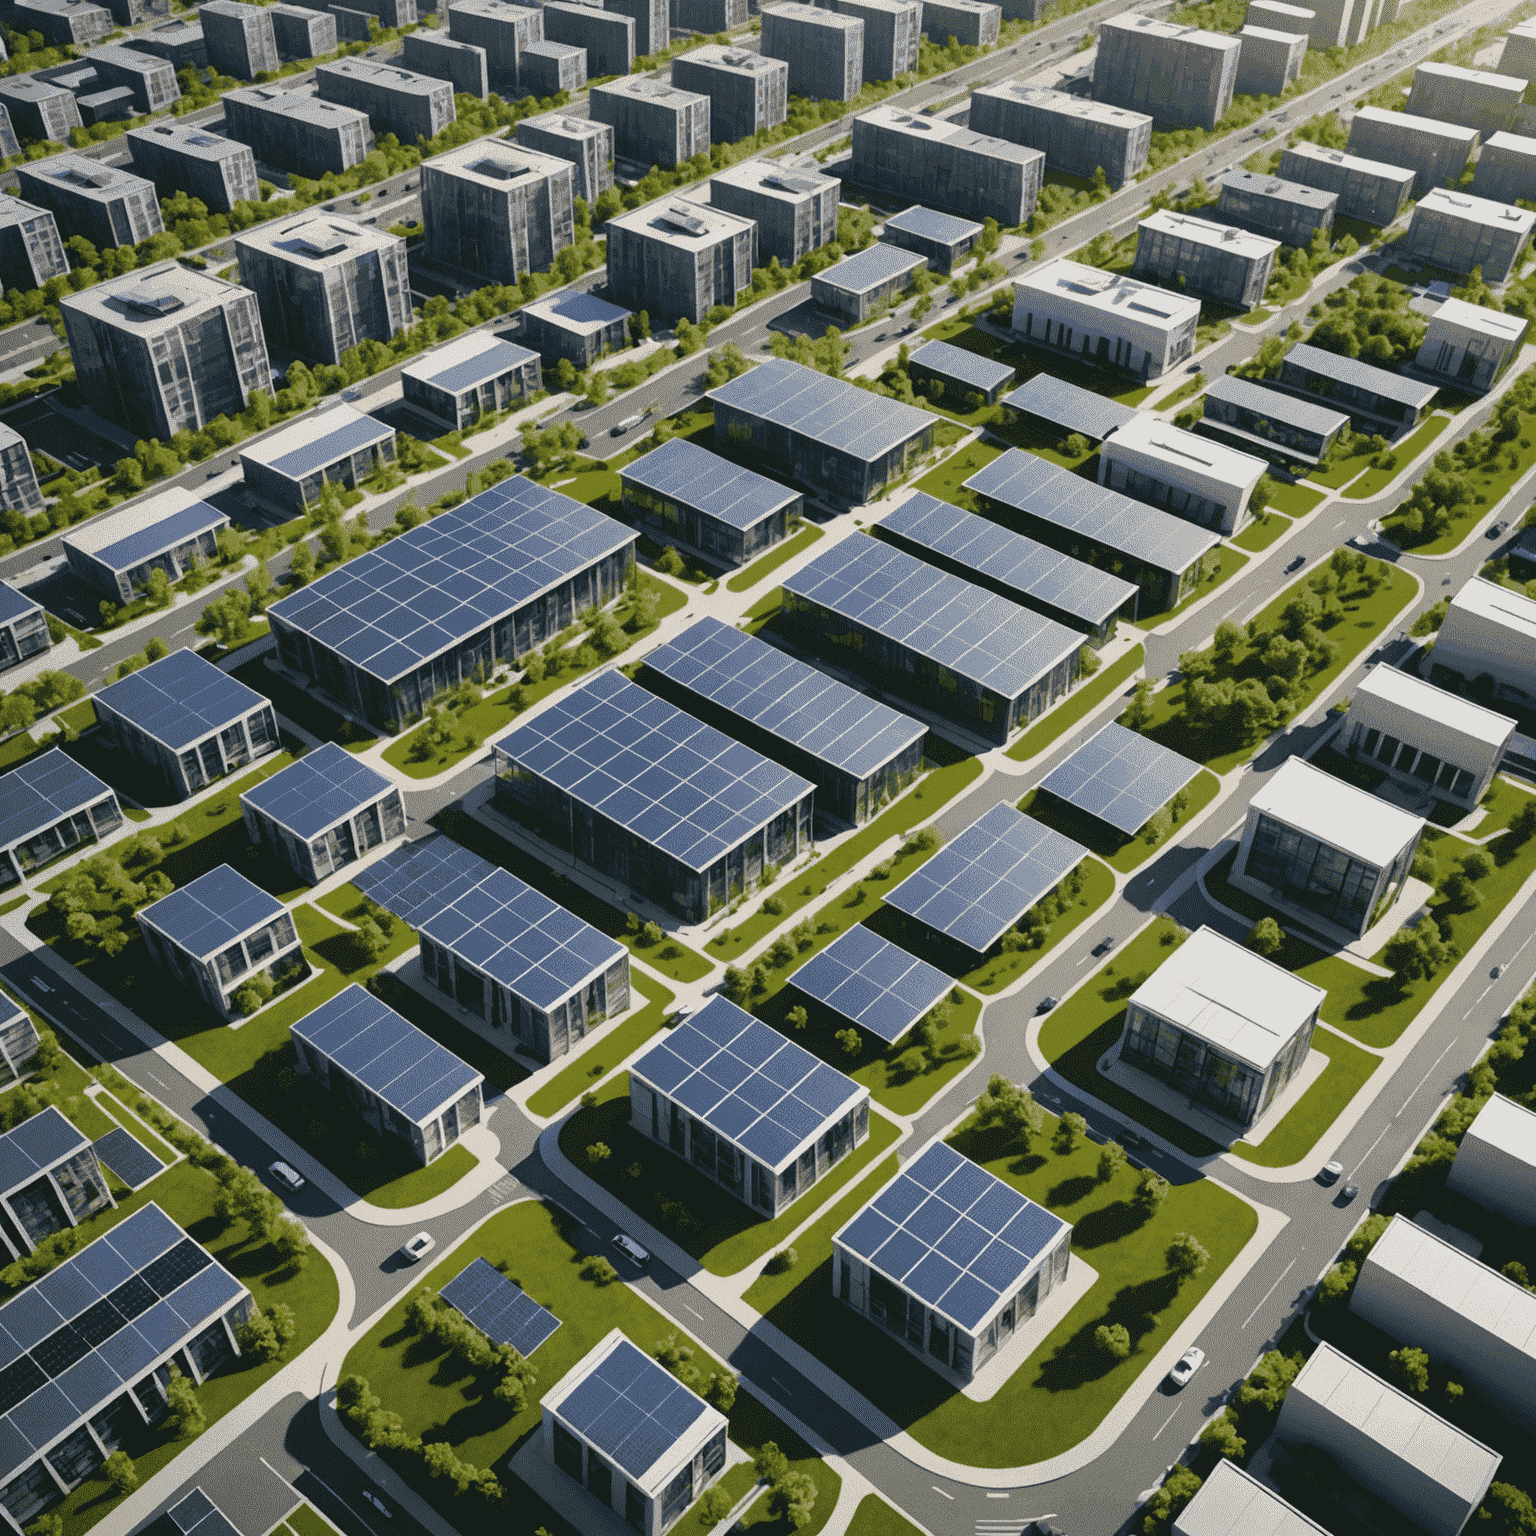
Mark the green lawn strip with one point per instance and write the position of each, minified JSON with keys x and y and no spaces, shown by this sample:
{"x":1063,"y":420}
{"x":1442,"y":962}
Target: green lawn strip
{"x":737,"y":1481}
{"x":755,"y":572}
{"x":303,"y":708}
{"x":14,"y":902}
{"x":421,"y":1184}
{"x":578,"y":1075}
{"x":1308,"y":1120}
{"x":1032,"y":360}
{"x":1064,"y":1389}
{"x":1377,"y":479}
{"x":1083,"y":699}
{"x":79,"y":717}
{"x":1118,"y":851}
{"x":63,"y":1083}
{"x":671,"y":957}
{"x":538,"y":1246}
{"x":135,"y":1127}
{"x":16,"y":749}
{"x":946,"y":481}
{"x":1088,"y":1025}
{"x":1256,"y":316}
{"x":874,"y":1517}
{"x":1340,"y":471}
{"x":1225,"y":563}
{"x":1191,"y":386}
{"x":307,"y":1521}
{"x":1294,"y":500}
{"x":1263,"y":531}
{"x":1502,"y":802}
{"x":723,"y":1233}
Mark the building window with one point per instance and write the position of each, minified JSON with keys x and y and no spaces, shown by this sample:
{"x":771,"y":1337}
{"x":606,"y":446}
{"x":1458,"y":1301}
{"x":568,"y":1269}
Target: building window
{"x":567,"y":1451}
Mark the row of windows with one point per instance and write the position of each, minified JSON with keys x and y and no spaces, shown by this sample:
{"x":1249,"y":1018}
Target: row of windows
{"x":1404,"y":757}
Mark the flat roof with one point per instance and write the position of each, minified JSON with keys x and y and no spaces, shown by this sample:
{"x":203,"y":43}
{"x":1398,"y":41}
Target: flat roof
{"x":794,"y":702}
{"x":186,"y":139}
{"x":388,"y":76}
{"x":695,"y":477}
{"x":675,"y":221}
{"x":1187,"y":452}
{"x":649,"y":87}
{"x":973,"y":632}
{"x":955,"y":134}
{"x":395,"y":607}
{"x":323,"y":787}
{"x":468,"y":362}
{"x":810,"y":13}
{"x":765,"y":176}
{"x":181,"y":699}
{"x":85,"y":177}
{"x":978,"y":885}
{"x":317,"y":441}
{"x":1032,"y":570}
{"x":1355,"y":374}
{"x":1507,"y":1126}
{"x":1122,"y":777}
{"x":960,"y":363}
{"x":1269,"y":34}
{"x":1450,"y":710}
{"x":15,"y":210}
{"x":1063,"y":104}
{"x":829,"y":411}
{"x":126,"y":538}
{"x":25,"y":88}
{"x":1145,"y":303}
{"x":1482,"y":211}
{"x":576,"y":310}
{"x":1351,"y":820}
{"x":1146,"y":534}
{"x":15,"y":604}
{"x":317,"y":241}
{"x":1507,"y":85}
{"x":1070,"y":406}
{"x":870,"y":268}
{"x":872,"y":983}
{"x":1497,"y":604}
{"x":930,"y":224}
{"x":42,"y":791}
{"x":1232,"y":241}
{"x":1276,"y":404}
{"x":1221,"y":992}
{"x":302,"y":105}
{"x":212,"y":912}
{"x":1172,"y":31}
{"x":503,"y":166}
{"x":1232,"y":1502}
{"x":953,"y":1234}
{"x":753,"y":1087}
{"x":1411,"y":122}
{"x":727,"y":56}
{"x":561,"y":123}
{"x":669,"y":780}
{"x":1511,"y":143}
{"x":1276,"y":188}
{"x":154,"y":299}
{"x":39,"y":1143}
{"x":1349,"y":162}
{"x":501,"y":925}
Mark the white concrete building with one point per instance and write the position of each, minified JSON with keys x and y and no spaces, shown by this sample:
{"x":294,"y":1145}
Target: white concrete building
{"x":1472,"y":98}
{"x":1457,"y":232}
{"x":1232,"y":1502}
{"x":1519,"y":55}
{"x":1496,"y":1162}
{"x":1193,"y":477}
{"x":1489,"y":632}
{"x":1470,"y":346}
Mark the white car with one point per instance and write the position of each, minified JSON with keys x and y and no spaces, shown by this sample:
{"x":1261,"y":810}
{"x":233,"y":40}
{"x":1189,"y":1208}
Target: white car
{"x":627,"y":1248}
{"x":1188,"y":1363}
{"x":289,"y":1178}
{"x":418,"y":1247}
{"x":1331,"y":1172}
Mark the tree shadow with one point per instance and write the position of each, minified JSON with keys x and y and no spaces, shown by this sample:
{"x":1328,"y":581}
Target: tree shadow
{"x":1134,"y":1307}
{"x":1108,"y":1224}
{"x":1070,"y":1191}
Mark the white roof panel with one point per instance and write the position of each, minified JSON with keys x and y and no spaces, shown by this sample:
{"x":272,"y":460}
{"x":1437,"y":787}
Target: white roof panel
{"x":1388,"y":684}
{"x":1352,"y":820}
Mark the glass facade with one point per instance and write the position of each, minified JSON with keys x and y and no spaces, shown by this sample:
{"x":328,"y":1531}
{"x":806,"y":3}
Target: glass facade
{"x":43,"y":847}
{"x":1130,"y":481}
{"x":676,"y":522}
{"x":1320,"y":879}
{"x":1404,"y":758}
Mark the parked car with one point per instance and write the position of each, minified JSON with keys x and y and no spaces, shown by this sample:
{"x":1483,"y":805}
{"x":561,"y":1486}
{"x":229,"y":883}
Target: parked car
{"x":1105,"y":944}
{"x":289,"y":1178}
{"x":415,"y":1249}
{"x":1498,"y":530}
{"x":628,"y":425}
{"x":627,"y":1248}
{"x":1330,"y":1172}
{"x":1186,"y":1366}
{"x":1346,"y":1194}
{"x":1295,"y":564}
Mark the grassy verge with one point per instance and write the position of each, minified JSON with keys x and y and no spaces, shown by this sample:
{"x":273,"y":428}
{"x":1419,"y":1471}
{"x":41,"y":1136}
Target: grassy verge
{"x":755,"y":572}
{"x":1307,"y":1121}
{"x":1224,"y":563}
{"x":874,"y":1517}
{"x":1378,"y":477}
{"x":1086,"y":698}
{"x":303,"y":708}
{"x":1263,"y":531}
{"x":1118,"y":851}
{"x":948,"y":479}
{"x":1481,"y":486}
{"x":136,"y":1128}
{"x":1294,"y":500}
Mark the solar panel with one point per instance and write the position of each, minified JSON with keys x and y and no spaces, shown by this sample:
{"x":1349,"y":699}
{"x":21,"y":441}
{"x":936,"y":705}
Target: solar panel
{"x":1274,"y":404}
{"x":954,"y":1235}
{"x":872,"y":983}
{"x":319,"y":442}
{"x":980,"y":884}
{"x":42,"y":792}
{"x":658,"y":774}
{"x":714,"y":486}
{"x":1069,"y":406}
{"x":39,"y":1143}
{"x":747,"y":1083}
{"x":1350,"y":371}
{"x":181,"y":699}
{"x":962,"y":365}
{"x":323,"y":787}
{"x":832,"y":722}
{"x":128,"y":1158}
{"x":870,"y":268}
{"x":972,"y":632}
{"x":143,"y":543}
{"x":500,"y":1308}
{"x":503,"y":927}
{"x":1121,"y":777}
{"x":212,"y":912}
{"x":14,"y":604}
{"x":487,"y":357}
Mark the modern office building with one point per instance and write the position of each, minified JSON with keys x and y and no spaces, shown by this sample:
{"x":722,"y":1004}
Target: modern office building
{"x":49,"y":1178}
{"x":607,"y":36}
{"x":1105,"y":317}
{"x":824,"y":50}
{"x":1205,"y":482}
{"x":624,"y":1428}
{"x":938,"y":163}
{"x":49,"y":805}
{"x":1076,"y":136}
{"x":1324,"y":851}
{"x":1437,"y":153}
{"x":1506,"y":169}
{"x":335,"y":446}
{"x":971,"y":23}
{"x":693,"y":839}
{"x":297,"y":131}
{"x":1283,"y":18}
{"x":1369,"y":190}
{"x":116,"y":552}
{"x":1473,"y":98}
{"x":576,"y":325}
{"x":23,"y":627}
{"x":1288,"y":211}
{"x":1231,"y":1501}
{"x":836,"y":440}
{"x":1280,"y":426}
{"x":19,"y":489}
{"x":1270,"y":60}
{"x":1457,"y":232}
{"x":709,"y":16}
{"x":1182,"y":76}
{"x":1489,"y":632}
{"x":854,"y":288}
{"x":324,"y":284}
{"x":524,"y":974}
{"x":151,"y":82}
{"x":653,"y":123}
{"x":943,"y":240}
{"x":753,"y":1111}
{"x":179,"y":42}
{"x":301,"y":33}
{"x":177,"y":158}
{"x":865,"y":981}
{"x":1223,"y":1025}
{"x":1375,"y":399}
{"x":166,"y":348}
{"x":407,"y":105}
{"x":677,"y":260}
{"x":38,"y":110}
{"x":546,"y":69}
{"x":1518,"y":56}
{"x":463,"y":65}
{"x":941,"y":368}
{"x":239,"y":38}
{"x":586,"y":145}
{"x":653,"y":28}
{"x":747,"y":92}
{"x":470,"y":377}
{"x":503,"y":30}
{"x":1495,"y":1164}
{"x":795,"y":211}
{"x":18,"y":1040}
{"x":952,"y":1262}
{"x":1469,"y":345}
{"x":1222,"y":263}
{"x":687,"y":495}
{"x":497,"y":210}
{"x":64,"y":23}
{"x":891,"y":31}
{"x":87,"y":197}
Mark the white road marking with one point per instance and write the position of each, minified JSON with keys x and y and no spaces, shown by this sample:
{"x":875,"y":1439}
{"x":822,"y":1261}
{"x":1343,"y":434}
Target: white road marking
{"x":1270,"y":1292}
{"x":999,"y":1495}
{"x":697,"y":1314}
{"x":941,"y":1492}
{"x":1167,"y":1421}
{"x":1424,"y":1079}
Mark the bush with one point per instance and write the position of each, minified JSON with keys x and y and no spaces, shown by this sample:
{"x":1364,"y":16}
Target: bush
{"x":782,"y":1262}
{"x":1112,"y":1340}
{"x":714,"y":1507}
{"x":598,"y":1270}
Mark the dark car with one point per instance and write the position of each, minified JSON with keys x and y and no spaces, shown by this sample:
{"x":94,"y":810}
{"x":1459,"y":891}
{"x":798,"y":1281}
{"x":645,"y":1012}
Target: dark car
{"x":1047,"y":1003}
{"x":1296,"y":564}
{"x":1498,"y":530}
{"x":1346,"y":1194}
{"x":1104,"y":945}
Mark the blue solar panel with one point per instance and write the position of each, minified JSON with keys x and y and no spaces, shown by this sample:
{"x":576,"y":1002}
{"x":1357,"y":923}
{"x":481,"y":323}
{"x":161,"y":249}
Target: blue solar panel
{"x":14,"y":604}
{"x":1354,"y":374}
{"x":502,"y":926}
{"x":129,"y":1159}
{"x":500,"y":1308}
{"x":974,"y":633}
{"x":492,"y":359}
{"x":962,"y":365}
{"x":1121,"y":777}
{"x":761,"y":1092}
{"x":697,"y":478}
{"x":341,"y":441}
{"x":164,"y":533}
{"x":928,"y":224}
{"x":198,"y":1513}
{"x":872,"y":982}
{"x":387,"y":1054}
{"x":674,"y":783}
{"x":1275,"y":404}
{"x":322,"y":788}
{"x":978,"y":886}
{"x":947,"y":1231}
{"x":42,"y":792}
{"x":1069,"y":406}
{"x":870,"y":268}
{"x":40,"y":1142}
{"x":212,"y":912}
{"x":181,"y":699}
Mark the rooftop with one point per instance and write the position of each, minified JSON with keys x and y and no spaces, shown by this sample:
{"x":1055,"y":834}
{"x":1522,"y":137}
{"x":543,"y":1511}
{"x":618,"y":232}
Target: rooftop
{"x":1352,"y":372}
{"x":154,"y":298}
{"x":950,"y":132}
{"x":930,"y":224}
{"x":1507,"y":1126}
{"x":1152,"y":26}
{"x":318,"y":241}
{"x":972,"y":368}
{"x":1239,"y":242}
{"x":873,"y":983}
{"x":728,"y":56}
{"x":1351,"y":820}
{"x":1188,"y":452}
{"x":1499,"y":605}
{"x":186,"y":139}
{"x":42,"y":791}
{"x":212,"y":912}
{"x":181,"y":699}
{"x":576,"y":310}
{"x":1277,"y":189}
{"x":1082,"y":108}
{"x":1359,"y":163}
{"x":1121,"y":777}
{"x":1477,"y":210}
{"x":558,"y":122}
{"x":1232,"y":1502}
{"x":1446,"y":709}
{"x":25,"y":88}
{"x":302,"y":105}
{"x":321,"y":788}
{"x":648,"y":87}
{"x":765,"y":175}
{"x":798,"y":12}
{"x":468,"y":361}
{"x":14,"y":603}
{"x":1145,"y":303}
{"x":386,"y":77}
{"x":87,"y":177}
{"x":130,"y":536}
{"x":1070,"y":406}
{"x":691,"y":226}
{"x":869,"y":269}
{"x":1506,"y":143}
{"x":36,"y":1145}
{"x":1487,"y":79}
{"x":1411,"y":122}
{"x":740,"y":498}
{"x":317,"y":441}
{"x":1276,"y":405}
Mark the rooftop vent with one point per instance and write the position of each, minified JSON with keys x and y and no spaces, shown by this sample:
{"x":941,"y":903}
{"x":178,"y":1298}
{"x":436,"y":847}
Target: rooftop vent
{"x":155,"y":304}
{"x":680,"y":219}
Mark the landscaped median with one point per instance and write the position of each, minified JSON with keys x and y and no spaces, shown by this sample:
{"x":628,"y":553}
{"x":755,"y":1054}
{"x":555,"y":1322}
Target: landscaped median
{"x":795,"y":545}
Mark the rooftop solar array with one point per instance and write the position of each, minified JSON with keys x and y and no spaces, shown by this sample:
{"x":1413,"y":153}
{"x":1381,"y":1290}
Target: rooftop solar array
{"x":386,"y":1053}
{"x":212,"y":912}
{"x":323,"y":787}
{"x":577,"y":307}
{"x":870,"y":268}
{"x":1275,"y":404}
{"x":1069,"y":406}
{"x":1357,"y":375}
{"x":459,"y":367}
{"x":677,"y":784}
{"x":40,"y":1142}
{"x":829,"y":411}
{"x":960,"y":363}
{"x":801,"y":706}
{"x":1147,"y":534}
{"x":697,"y":478}
{"x":974,"y":633}
{"x":318,"y":443}
{"x":1035,"y":572}
{"x":514,"y":934}
{"x":1121,"y":777}
{"x":929,"y":224}
{"x":392,"y":609}
{"x":500,"y":1308}
{"x":14,"y":604}
{"x":127,"y":1157}
{"x":74,"y":1340}
{"x":42,"y":792}
{"x":181,"y":699}
{"x":747,"y":1083}
{"x":979,"y":885}
{"x":953,"y":1235}
{"x":126,"y":538}
{"x":872,"y":982}
{"x":198,"y":1513}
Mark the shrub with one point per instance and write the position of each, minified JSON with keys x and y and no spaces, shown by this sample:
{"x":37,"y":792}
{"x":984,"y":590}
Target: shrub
{"x":782,"y":1262}
{"x":1112,"y":1340}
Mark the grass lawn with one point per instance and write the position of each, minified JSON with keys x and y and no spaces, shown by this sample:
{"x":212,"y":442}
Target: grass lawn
{"x":135,"y":1128}
{"x":1032,"y":360}
{"x":874,"y":1517}
{"x":1294,"y":500}
{"x":1308,"y":1120}
{"x":1340,"y":470}
{"x":947,"y":480}
{"x":1084,"y":699}
{"x":1263,"y":531}
{"x":1375,"y":479}
{"x":539,"y":1246}
{"x":787,"y":550}
{"x":1064,"y":1388}
{"x":1118,"y":851}
{"x":1256,"y":316}
{"x":1223,"y":564}
{"x":303,"y":708}
{"x":1191,"y":386}
{"x":1484,"y":485}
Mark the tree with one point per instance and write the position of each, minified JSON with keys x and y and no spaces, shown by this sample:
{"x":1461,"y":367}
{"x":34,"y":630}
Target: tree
{"x":1112,"y":1340}
{"x":714,"y":1507}
{"x":53,"y":1525}
{"x":1138,"y":713}
{"x":185,"y":1415}
{"x":721,"y":1391}
{"x":770,"y":1463}
{"x":1266,"y":937}
{"x":121,"y":1472}
{"x":1185,"y":1256}
{"x":158,"y":589}
{"x":301,"y":568}
{"x":599,"y":1153}
{"x":1011,"y":1109}
{"x":850,"y":1040}
{"x":792,"y":1498}
{"x":1336,"y":1285}
{"x":1151,"y":1190}
{"x":1221,"y":1436}
{"x":1409,"y":1368}
{"x":1415,"y":953}
{"x":1111,"y":1160}
{"x":1505,"y":1511}
{"x":1158,"y":825}
{"x":1168,"y":1501}
{"x":1070,"y":1130}
{"x":797,"y":1017}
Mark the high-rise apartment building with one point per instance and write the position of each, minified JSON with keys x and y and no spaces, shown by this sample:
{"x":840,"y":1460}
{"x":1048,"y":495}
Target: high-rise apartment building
{"x":463,"y":65}
{"x":107,"y":206}
{"x":747,"y":92}
{"x":180,"y":158}
{"x":824,"y":51}
{"x":240,"y":38}
{"x":407,"y":105}
{"x":587,"y":145}
{"x":503,"y":30}
{"x":653,"y":123}
{"x":30,"y":248}
{"x":296,"y":131}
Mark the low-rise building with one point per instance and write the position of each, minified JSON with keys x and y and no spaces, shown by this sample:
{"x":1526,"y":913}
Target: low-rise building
{"x":854,"y":288}
{"x":824,"y":51}
{"x":337,"y":446}
{"x":503,"y":30}
{"x":1188,"y":475}
{"x":609,"y":38}
{"x":49,"y":1177}
{"x":1474,"y":98}
{"x":1270,"y":60}
{"x":1436,"y":152}
{"x":942,"y":239}
{"x":653,"y":123}
{"x":1469,"y":346}
{"x":463,"y":65}
{"x":1457,"y":232}
{"x":86,"y":197}
{"x":586,"y":145}
{"x":891,"y":31}
{"x":1288,"y":211}
{"x":1183,"y":76}
{"x":1369,"y":190}
{"x":30,"y":249}
{"x":546,"y":69}
{"x":38,"y":110}
{"x":795,"y":211}
{"x":1506,"y":169}
{"x":179,"y":158}
{"x":297,"y":131}
{"x":748,"y":93}
{"x":49,"y":806}
{"x":239,"y":38}
{"x":1489,"y":634}
{"x":1225,"y":264}
{"x":971,"y":23}
{"x":19,"y":1040}
{"x":940,"y":367}
{"x":301,"y":33}
{"x":407,"y":105}
{"x":117,"y":552}
{"x":471,"y":377}
{"x":1518,"y":56}
{"x":1076,"y":136}
{"x":1374,"y":399}
{"x":151,"y":82}
{"x":1281,"y":426}
{"x":1495,"y":1164}
{"x":1232,"y":1502}
{"x":677,"y":260}
{"x":574,"y":324}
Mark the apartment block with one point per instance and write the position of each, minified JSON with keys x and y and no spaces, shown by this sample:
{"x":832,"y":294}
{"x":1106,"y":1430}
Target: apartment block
{"x":1518,"y":57}
{"x":747,"y":92}
{"x":1506,"y":169}
{"x":296,"y":131}
{"x":39,"y":110}
{"x":151,"y":82}
{"x":1225,"y":264}
{"x":1182,"y":76}
{"x":1435,"y":152}
{"x":30,"y":248}
{"x":1473,"y":98}
{"x":653,"y":123}
{"x":407,"y":105}
{"x":608,"y":37}
{"x":301,"y":33}
{"x":240,"y":38}
{"x":64,"y":23}
{"x":942,"y":240}
{"x":463,"y":65}
{"x":824,"y":51}
{"x":709,"y":16}
{"x":176,"y":157}
{"x":1287,"y":211}
{"x":1469,"y":346}
{"x":971,"y":23}
{"x":19,"y":489}
{"x":653,"y":28}
{"x":575,"y":324}
{"x":179,"y":42}
{"x":891,"y":31}
{"x":1204,"y":482}
{"x":586,"y":145}
{"x":503,"y":31}
{"x":86,"y":197}
{"x":1269,"y":61}
{"x":1457,"y":232}
{"x":676,"y":259}
{"x":795,"y":211}
{"x":1076,"y":136}
{"x":1369,"y":190}
{"x":549,"y":68}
